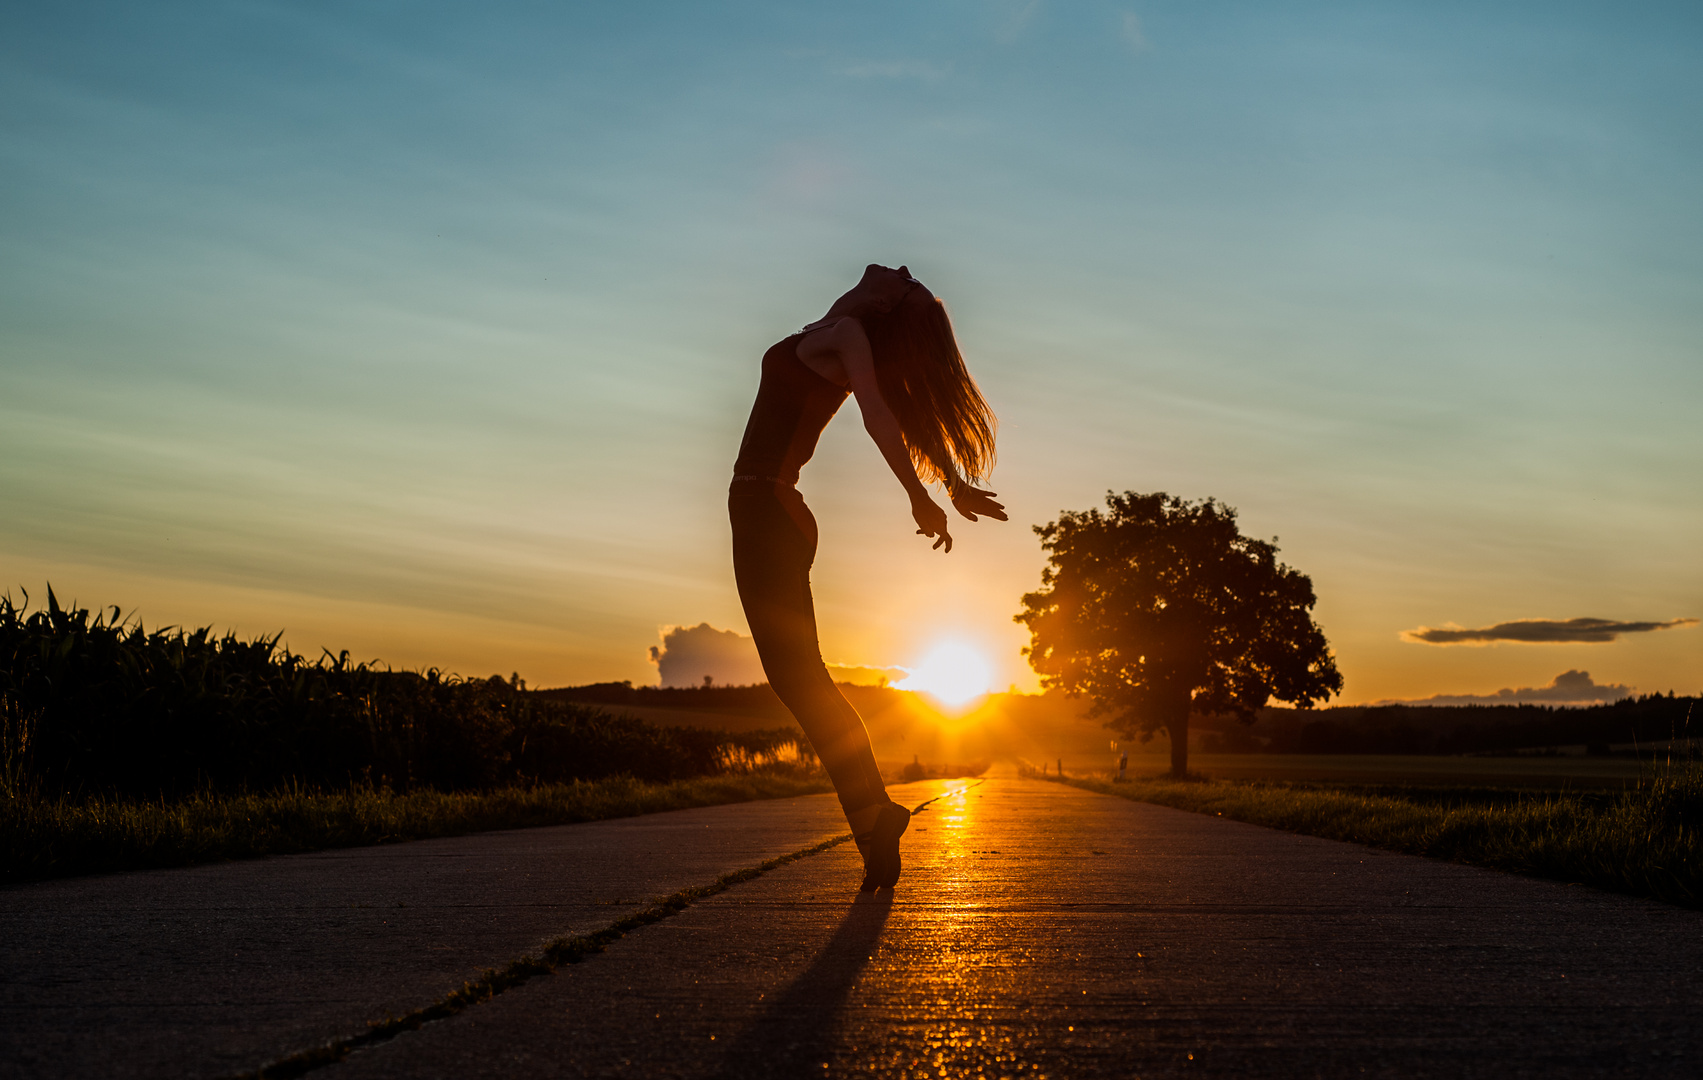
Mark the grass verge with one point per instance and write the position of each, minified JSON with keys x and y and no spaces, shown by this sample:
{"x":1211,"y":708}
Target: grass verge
{"x":48,"y":839}
{"x":1646,"y":841}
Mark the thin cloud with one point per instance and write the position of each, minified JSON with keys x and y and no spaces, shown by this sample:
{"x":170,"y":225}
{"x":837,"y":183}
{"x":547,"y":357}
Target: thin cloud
{"x":1568,"y":688}
{"x":808,"y":173}
{"x":865,"y":675}
{"x":898,"y":69}
{"x":1133,"y":35}
{"x":1012,"y":17}
{"x":1539,"y":631}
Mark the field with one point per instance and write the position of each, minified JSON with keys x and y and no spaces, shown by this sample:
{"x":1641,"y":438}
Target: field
{"x":1645,"y":840}
{"x":1550,"y":773}
{"x":121,"y":748}
{"x":1046,"y":729}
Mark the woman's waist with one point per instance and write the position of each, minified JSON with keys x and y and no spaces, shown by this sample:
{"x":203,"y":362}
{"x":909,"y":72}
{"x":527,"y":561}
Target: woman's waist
{"x":757,"y":484}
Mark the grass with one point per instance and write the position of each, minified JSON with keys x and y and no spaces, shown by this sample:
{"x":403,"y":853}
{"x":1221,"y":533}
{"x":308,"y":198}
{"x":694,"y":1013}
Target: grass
{"x":1645,"y":841}
{"x":59,"y":838}
{"x":1422,"y":770}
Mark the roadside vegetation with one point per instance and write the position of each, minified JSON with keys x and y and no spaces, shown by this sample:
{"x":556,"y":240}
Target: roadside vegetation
{"x":58,"y":838}
{"x":122,"y":748}
{"x":1646,"y":840}
{"x":1643,"y":719}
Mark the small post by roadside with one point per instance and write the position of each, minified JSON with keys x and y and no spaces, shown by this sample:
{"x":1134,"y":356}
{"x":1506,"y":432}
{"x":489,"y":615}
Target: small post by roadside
{"x":1061,"y":767}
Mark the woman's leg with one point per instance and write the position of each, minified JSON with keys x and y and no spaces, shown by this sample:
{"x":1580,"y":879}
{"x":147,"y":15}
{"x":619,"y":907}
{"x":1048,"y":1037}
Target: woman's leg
{"x":773,"y":547}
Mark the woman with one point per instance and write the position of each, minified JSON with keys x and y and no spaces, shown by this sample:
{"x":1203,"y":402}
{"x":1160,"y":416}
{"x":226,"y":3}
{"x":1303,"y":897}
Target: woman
{"x":889,"y":343}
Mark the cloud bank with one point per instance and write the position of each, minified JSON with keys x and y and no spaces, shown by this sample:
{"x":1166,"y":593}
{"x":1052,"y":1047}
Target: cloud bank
{"x":691,"y":654}
{"x":1568,"y":688}
{"x":1539,"y":631}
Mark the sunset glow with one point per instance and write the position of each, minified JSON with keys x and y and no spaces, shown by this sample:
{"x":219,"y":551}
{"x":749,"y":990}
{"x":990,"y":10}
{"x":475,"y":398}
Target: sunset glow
{"x":954,"y":672}
{"x":432,"y":334}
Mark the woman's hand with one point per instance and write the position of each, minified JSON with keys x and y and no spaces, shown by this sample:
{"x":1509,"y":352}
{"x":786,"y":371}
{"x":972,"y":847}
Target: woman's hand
{"x":931,"y":519}
{"x":971,"y":501}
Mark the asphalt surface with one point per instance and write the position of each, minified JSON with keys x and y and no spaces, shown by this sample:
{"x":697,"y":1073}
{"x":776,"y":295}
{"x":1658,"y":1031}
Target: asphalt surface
{"x":1039,"y":931}
{"x":214,"y":970}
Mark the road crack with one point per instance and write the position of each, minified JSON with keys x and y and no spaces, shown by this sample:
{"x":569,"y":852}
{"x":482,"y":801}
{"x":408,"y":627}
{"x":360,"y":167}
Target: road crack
{"x":565,"y":950}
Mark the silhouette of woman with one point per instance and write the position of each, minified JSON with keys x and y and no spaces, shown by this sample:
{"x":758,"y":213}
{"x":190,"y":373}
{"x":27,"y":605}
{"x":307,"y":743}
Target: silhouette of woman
{"x":889,"y":343}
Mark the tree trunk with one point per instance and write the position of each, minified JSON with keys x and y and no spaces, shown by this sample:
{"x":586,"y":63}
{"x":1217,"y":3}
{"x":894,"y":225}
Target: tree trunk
{"x":1178,"y":729}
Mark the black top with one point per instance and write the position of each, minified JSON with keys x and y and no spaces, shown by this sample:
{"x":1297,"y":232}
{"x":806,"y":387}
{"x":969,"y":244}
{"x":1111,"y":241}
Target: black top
{"x":793,"y":405}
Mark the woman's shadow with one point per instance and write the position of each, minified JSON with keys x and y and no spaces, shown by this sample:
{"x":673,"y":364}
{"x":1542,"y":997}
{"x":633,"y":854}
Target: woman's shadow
{"x":794,"y":1034}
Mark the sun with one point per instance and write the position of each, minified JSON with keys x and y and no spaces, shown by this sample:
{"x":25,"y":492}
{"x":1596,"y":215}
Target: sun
{"x":953,"y":672}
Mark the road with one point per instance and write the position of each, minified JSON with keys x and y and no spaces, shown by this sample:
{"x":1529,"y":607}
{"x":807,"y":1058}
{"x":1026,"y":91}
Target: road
{"x":1040,"y":930}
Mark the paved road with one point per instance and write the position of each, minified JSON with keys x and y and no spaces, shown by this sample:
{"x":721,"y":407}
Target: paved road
{"x":214,"y":970}
{"x":1046,"y":931}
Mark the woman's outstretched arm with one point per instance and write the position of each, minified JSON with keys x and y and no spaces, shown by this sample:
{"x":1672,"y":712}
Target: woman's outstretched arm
{"x":850,"y":346}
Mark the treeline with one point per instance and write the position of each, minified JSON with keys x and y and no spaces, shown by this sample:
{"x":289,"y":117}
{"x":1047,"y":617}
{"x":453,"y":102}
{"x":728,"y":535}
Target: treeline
{"x":752,"y":701}
{"x":758,"y":700}
{"x":1383,"y":729}
{"x":1459,"y":729}
{"x":96,"y":705}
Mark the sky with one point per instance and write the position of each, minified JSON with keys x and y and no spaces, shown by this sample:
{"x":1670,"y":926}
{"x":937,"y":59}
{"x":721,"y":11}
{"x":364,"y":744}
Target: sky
{"x":428,"y":331}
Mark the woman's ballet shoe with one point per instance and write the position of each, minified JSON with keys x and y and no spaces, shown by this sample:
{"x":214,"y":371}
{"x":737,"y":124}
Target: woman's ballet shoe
{"x":862,"y":843}
{"x":880,"y":848}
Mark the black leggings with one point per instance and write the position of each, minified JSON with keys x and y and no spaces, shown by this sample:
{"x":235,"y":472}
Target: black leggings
{"x":774,"y":543}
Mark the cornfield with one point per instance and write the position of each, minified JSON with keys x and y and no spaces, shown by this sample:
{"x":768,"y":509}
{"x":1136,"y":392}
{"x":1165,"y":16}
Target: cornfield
{"x":94,"y":705}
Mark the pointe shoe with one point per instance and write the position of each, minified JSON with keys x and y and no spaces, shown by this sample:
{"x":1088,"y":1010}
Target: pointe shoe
{"x":880,"y":848}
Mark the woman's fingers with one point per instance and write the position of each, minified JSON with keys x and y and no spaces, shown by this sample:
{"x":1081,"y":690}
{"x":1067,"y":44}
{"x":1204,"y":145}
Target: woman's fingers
{"x":973,"y":501}
{"x":931,"y":521}
{"x":944,"y":538}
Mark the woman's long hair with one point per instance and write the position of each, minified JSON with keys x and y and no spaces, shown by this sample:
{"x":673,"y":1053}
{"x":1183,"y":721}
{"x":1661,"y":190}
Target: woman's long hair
{"x":947,"y":424}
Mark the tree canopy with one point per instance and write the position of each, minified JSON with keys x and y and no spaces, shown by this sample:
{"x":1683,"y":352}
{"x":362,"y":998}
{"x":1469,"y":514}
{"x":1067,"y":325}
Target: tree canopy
{"x":1158,"y":607}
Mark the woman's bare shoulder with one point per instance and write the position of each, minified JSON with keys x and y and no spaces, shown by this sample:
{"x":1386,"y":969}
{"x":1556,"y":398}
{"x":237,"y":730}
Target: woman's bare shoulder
{"x":823,"y":346}
{"x":829,"y":324}
{"x":830,"y":335}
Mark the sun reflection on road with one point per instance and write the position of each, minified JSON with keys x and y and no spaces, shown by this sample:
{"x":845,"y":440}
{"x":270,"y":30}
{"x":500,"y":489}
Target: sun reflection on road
{"x":958,"y":894}
{"x":960,"y":971}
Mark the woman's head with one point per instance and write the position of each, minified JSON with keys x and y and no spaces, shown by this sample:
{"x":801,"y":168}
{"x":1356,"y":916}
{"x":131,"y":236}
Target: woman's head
{"x":947,"y":424}
{"x":881,"y":288}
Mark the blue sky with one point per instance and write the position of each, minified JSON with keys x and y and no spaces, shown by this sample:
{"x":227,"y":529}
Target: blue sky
{"x":429,"y":331}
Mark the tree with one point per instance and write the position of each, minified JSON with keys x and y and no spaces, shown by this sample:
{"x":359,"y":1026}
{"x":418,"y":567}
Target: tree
{"x":1158,"y":607}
